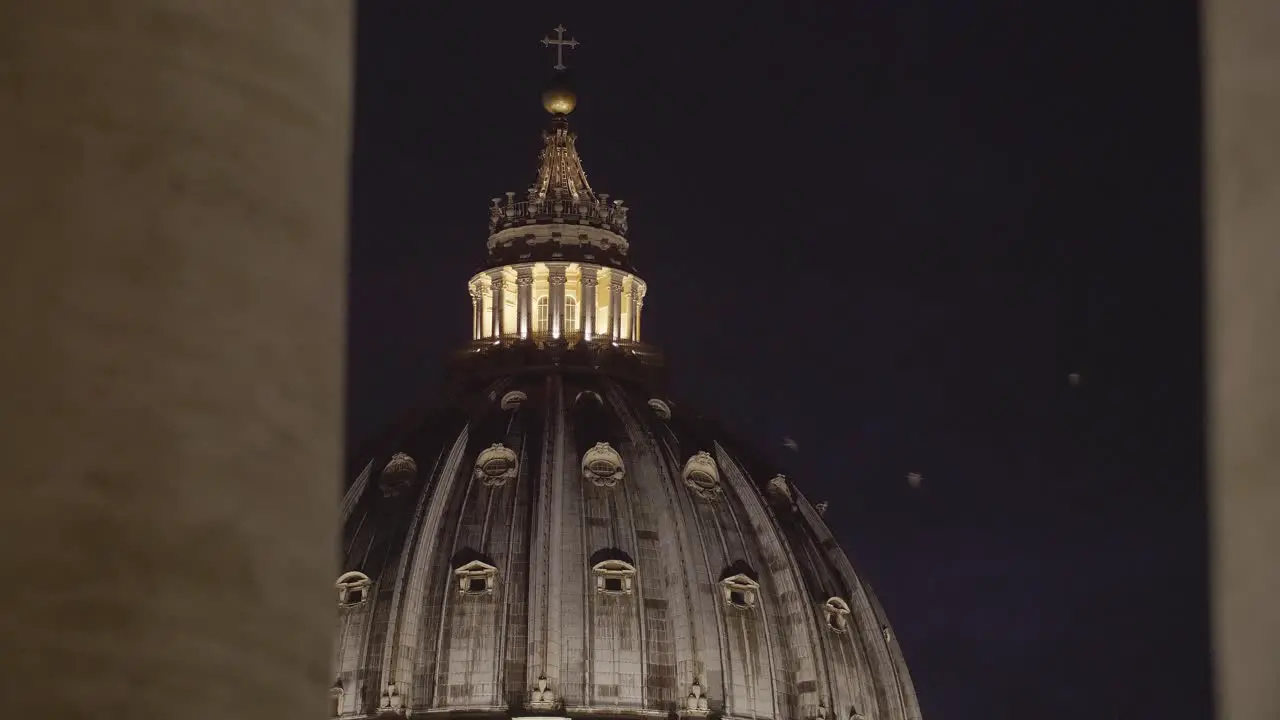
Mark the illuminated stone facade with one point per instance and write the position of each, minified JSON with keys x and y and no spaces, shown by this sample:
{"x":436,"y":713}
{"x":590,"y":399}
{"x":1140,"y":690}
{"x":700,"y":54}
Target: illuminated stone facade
{"x":561,"y":539}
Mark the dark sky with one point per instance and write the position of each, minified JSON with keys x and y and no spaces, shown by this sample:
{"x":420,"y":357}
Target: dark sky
{"x":888,"y":229}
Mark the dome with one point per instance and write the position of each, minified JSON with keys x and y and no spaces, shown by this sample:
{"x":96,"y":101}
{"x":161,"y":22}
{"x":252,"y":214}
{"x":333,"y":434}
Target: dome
{"x":574,"y":544}
{"x":562,"y":540}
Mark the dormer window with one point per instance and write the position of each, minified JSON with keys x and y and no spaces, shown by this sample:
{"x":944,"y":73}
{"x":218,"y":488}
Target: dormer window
{"x":660,"y":408}
{"x":476,"y":577}
{"x":614,"y":571}
{"x":702,"y":476}
{"x":602,"y":465}
{"x":513,"y":400}
{"x":837,"y":612}
{"x":740,"y":587}
{"x":780,"y":486}
{"x":495,"y":465}
{"x":398,"y":474}
{"x":353,"y":589}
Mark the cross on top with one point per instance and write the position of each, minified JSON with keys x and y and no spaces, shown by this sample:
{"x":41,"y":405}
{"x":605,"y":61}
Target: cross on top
{"x":560,"y":44}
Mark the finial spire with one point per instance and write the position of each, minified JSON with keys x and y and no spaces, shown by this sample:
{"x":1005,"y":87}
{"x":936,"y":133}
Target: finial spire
{"x":560,"y":43}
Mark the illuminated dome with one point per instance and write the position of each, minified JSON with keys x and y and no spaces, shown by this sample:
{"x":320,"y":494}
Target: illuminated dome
{"x":559,"y":539}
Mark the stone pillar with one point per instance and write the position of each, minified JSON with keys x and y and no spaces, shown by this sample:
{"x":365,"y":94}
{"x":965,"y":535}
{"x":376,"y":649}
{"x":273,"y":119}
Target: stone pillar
{"x":556,"y":298}
{"x":477,"y":312}
{"x":635,"y":315}
{"x":633,"y":311}
{"x":173,"y":195}
{"x":524,"y":299}
{"x":497,"y":285}
{"x":615,"y":306}
{"x":1242,"y":96}
{"x":587,"y":303}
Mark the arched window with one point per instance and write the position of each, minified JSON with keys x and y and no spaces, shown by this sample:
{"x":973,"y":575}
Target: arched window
{"x":542,"y":316}
{"x":353,"y":589}
{"x":570,"y":314}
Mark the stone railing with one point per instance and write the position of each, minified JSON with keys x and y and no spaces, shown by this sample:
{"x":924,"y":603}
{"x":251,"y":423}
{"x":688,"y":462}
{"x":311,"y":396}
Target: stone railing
{"x":599,"y":212}
{"x":507,"y":357}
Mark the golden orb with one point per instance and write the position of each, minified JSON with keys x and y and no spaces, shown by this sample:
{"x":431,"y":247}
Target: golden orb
{"x":558,"y":97}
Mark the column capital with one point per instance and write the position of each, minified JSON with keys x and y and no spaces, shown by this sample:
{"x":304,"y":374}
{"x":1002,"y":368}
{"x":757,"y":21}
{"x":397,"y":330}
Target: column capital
{"x":524,"y":270}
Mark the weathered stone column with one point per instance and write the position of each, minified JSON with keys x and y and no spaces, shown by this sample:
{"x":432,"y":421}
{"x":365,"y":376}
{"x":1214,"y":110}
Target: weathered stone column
{"x":556,"y":297}
{"x":173,"y":194}
{"x":477,"y":311}
{"x":633,"y":309}
{"x":615,"y":307}
{"x":1242,"y":122}
{"x":498,"y":284}
{"x":587,"y":302}
{"x":635,"y":316}
{"x":524,"y":299}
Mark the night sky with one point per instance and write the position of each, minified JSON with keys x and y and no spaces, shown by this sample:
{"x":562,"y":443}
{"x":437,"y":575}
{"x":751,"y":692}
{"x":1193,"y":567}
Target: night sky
{"x":888,"y":229}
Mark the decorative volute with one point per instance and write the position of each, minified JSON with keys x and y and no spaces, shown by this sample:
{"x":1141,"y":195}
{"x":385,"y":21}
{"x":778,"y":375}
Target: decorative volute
{"x":541,"y":698}
{"x":391,"y":699}
{"x":696,"y":705}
